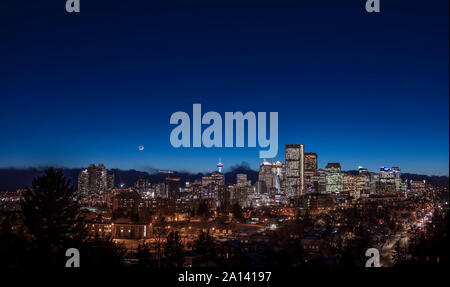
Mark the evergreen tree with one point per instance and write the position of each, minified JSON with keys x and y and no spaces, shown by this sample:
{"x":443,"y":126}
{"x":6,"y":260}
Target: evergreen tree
{"x":144,"y":256}
{"x":204,"y":245}
{"x":237,"y":211}
{"x":174,"y":250}
{"x":399,"y":254}
{"x":160,"y":231}
{"x":54,"y":223}
{"x":51,"y":217}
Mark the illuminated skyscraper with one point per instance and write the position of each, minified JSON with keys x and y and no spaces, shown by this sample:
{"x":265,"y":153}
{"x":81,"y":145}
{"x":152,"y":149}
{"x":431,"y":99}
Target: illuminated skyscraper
{"x":349,"y":184}
{"x":172,"y":187}
{"x":224,"y":195}
{"x":310,"y":161}
{"x":83,"y":179}
{"x":241,"y":180}
{"x":386,"y":180}
{"x":266,"y":174}
{"x":110,"y":178}
{"x":272,"y":174}
{"x":362,"y":182}
{"x":215,"y":178}
{"x":310,"y":170}
{"x":294,"y":157}
{"x":102,"y":178}
{"x":334,"y":178}
{"x":94,"y":180}
{"x":240,"y":196}
{"x":397,"y":177}
{"x":320,"y":181}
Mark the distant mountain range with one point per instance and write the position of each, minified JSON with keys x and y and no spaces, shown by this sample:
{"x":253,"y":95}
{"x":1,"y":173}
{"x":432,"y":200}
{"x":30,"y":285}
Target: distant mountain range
{"x":14,"y":178}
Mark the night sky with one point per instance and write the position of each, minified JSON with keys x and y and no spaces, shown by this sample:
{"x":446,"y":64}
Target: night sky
{"x":357,"y":88}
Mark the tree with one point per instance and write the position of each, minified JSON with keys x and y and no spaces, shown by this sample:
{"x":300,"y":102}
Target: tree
{"x":203,"y":212}
{"x":54,"y":223}
{"x":174,"y":250}
{"x":353,"y":254}
{"x":101,"y":252}
{"x":143,"y":254}
{"x":237,"y":210}
{"x":51,"y":217}
{"x":399,"y":254}
{"x":13,"y":247}
{"x":204,"y":245}
{"x":159,"y":230}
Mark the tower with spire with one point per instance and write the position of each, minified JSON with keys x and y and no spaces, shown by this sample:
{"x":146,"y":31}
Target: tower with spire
{"x":220,"y":166}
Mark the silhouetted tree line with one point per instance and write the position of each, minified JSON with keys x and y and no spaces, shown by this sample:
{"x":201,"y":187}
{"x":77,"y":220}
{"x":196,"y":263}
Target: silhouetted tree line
{"x":53,"y":223}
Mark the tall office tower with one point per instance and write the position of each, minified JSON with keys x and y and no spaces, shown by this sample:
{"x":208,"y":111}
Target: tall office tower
{"x":110,"y":181}
{"x":240,"y":196}
{"x":374,"y":179}
{"x":224,"y":196}
{"x":386,"y":180}
{"x":101,"y":178}
{"x":334,"y":178}
{"x":266,"y":174}
{"x":278,"y":170}
{"x":83,"y":182}
{"x":218,"y":178}
{"x":310,"y":170}
{"x":309,"y":180}
{"x":362,"y":182}
{"x":215,"y":178}
{"x":294,"y":157}
{"x":386,"y":175}
{"x":397,"y":177}
{"x":241,"y":180}
{"x":260,"y":187}
{"x":94,"y":180}
{"x":320,"y":181}
{"x":310,"y":161}
{"x":172,"y":187}
{"x":349,"y":184}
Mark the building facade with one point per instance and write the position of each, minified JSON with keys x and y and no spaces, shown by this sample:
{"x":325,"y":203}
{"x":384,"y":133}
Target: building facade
{"x":334,"y":178}
{"x":294,"y":169}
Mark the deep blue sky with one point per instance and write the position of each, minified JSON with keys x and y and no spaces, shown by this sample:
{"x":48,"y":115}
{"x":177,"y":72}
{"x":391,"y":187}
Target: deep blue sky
{"x":358,"y":88}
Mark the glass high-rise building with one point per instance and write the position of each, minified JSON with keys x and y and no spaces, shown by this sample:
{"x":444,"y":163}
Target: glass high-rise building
{"x":294,"y":168}
{"x":241,"y":180}
{"x":310,"y":161}
{"x":334,"y":178}
{"x":94,"y":180}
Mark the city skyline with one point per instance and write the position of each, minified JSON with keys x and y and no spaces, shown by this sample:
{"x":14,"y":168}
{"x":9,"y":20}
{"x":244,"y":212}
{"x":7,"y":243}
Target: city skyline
{"x":260,"y":138}
{"x":95,"y":87}
{"x":211,"y":164}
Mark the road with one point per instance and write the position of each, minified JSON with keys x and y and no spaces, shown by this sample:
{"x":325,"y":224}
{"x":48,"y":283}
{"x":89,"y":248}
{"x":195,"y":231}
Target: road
{"x":389,"y":246}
